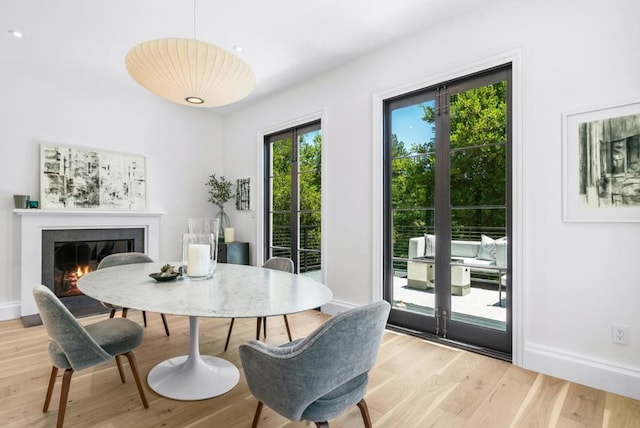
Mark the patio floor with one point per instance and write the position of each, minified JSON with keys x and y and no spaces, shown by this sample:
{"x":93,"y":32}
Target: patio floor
{"x":480,"y":306}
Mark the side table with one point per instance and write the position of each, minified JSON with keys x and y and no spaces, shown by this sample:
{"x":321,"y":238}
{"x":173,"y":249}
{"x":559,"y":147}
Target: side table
{"x":236,"y":253}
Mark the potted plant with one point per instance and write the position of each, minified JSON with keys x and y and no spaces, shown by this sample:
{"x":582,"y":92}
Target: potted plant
{"x":219,"y":193}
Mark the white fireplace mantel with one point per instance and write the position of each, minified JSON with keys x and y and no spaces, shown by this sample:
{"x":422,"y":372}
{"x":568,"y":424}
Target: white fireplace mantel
{"x":31,"y":223}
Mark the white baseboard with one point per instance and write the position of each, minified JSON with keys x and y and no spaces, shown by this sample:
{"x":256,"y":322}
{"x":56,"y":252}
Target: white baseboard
{"x":9,"y":311}
{"x":576,"y":368}
{"x":334,"y":307}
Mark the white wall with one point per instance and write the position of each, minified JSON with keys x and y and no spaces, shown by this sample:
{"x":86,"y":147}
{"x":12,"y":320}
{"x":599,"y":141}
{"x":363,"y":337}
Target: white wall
{"x":182,"y":147}
{"x":572,"y":281}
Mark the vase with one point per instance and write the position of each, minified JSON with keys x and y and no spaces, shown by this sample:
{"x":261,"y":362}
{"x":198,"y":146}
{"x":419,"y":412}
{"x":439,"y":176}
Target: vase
{"x":222,"y":223}
{"x":199,"y":255}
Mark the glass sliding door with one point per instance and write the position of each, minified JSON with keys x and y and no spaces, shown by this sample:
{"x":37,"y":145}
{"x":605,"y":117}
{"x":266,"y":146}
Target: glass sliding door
{"x":447,"y":215}
{"x":293,"y":189}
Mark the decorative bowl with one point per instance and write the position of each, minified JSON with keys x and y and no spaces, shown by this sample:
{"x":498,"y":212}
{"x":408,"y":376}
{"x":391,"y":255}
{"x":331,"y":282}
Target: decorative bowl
{"x":160,"y":277}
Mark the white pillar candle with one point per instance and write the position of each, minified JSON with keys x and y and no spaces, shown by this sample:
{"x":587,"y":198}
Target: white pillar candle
{"x":229,"y":234}
{"x":198,"y":259}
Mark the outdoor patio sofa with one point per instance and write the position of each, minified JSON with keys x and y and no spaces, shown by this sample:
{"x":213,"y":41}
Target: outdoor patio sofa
{"x":482,"y":257}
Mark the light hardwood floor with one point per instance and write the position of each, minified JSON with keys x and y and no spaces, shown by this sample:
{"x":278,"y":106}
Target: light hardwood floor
{"x":415,"y":384}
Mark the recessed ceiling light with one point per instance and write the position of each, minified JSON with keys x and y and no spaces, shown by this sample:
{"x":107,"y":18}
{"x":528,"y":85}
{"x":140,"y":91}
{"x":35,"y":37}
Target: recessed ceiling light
{"x":238,"y":48}
{"x":16,"y":34}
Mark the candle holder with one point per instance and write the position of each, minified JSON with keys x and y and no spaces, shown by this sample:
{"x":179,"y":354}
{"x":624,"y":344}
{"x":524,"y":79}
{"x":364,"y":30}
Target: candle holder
{"x":199,"y":255}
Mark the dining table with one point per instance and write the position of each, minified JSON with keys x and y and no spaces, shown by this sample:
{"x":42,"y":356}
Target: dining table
{"x":233,"y":291}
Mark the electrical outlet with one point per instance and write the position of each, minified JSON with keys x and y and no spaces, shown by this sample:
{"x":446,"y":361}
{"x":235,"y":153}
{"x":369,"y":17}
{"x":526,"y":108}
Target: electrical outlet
{"x":620,"y":334}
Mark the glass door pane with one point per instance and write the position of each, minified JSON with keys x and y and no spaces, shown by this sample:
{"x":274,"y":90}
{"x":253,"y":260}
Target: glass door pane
{"x":280,"y":191}
{"x":413,"y":206}
{"x":310,"y":188}
{"x":478,"y":179}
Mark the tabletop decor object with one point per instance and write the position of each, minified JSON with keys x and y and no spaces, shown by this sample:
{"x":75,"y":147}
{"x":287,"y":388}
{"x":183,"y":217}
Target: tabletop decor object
{"x":21,"y":201}
{"x":219,"y":194}
{"x":199,"y":255}
{"x":167,"y":273}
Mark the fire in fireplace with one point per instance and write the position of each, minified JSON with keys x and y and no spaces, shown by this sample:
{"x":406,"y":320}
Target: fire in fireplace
{"x":71,"y":260}
{"x":70,"y":253}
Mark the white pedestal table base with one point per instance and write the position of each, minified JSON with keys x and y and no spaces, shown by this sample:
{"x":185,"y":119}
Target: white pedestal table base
{"x":193,"y":377}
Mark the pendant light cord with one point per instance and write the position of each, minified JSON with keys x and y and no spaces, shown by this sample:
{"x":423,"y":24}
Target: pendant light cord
{"x":194,"y":20}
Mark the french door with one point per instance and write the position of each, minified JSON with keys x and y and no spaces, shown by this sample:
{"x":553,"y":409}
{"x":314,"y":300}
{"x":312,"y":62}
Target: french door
{"x":447,"y":211}
{"x":293,"y":189}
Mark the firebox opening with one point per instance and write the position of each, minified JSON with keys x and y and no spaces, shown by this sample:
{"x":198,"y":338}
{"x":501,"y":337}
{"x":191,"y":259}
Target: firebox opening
{"x":67,"y":254}
{"x":74,"y":259}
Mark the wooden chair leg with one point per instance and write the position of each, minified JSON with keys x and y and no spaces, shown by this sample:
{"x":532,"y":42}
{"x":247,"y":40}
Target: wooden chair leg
{"x":124,"y":312}
{"x":64,"y":396}
{"x":259,"y":322}
{"x":264,"y":327}
{"x":136,"y":376}
{"x":144,"y":318}
{"x":166,"y":326}
{"x":112,"y":313}
{"x":286,"y":323}
{"x":119,"y":364}
{"x":256,"y":417}
{"x":52,"y":382}
{"x":364,"y":410}
{"x":226,"y":345}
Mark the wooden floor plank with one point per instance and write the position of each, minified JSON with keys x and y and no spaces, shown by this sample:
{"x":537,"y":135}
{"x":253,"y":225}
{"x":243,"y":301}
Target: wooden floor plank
{"x":415,"y":384}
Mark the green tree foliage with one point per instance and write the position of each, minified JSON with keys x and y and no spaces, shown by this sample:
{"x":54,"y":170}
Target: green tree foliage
{"x":478,"y":129}
{"x":310,"y":190}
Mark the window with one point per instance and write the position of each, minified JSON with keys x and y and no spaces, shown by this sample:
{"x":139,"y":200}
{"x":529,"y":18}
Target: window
{"x":293,"y":189}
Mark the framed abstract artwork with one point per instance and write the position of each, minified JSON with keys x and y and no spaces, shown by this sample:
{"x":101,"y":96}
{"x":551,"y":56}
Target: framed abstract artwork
{"x":601,"y":151}
{"x":243,"y":194}
{"x":80,"y":177}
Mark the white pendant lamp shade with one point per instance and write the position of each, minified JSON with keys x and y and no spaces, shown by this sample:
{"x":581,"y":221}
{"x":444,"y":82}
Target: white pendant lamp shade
{"x":190,"y":72}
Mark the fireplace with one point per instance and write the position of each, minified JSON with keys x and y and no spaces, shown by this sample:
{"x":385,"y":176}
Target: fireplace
{"x":68,"y":254}
{"x":33,"y":265}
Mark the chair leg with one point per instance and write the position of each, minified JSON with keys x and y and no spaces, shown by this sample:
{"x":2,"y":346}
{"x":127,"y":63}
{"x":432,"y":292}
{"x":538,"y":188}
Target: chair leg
{"x":124,"y":312}
{"x":166,"y":326}
{"x":322,"y":424}
{"x":286,"y":323}
{"x":364,"y":410}
{"x":119,"y":364}
{"x":258,"y":323}
{"x":256,"y":417}
{"x":112,"y":313}
{"x":226,"y":345}
{"x":64,"y":396}
{"x":52,"y":382}
{"x":144,"y":318}
{"x":136,"y":376}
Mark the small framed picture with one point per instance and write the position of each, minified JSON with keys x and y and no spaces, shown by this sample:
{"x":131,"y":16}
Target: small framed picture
{"x":601,"y":150}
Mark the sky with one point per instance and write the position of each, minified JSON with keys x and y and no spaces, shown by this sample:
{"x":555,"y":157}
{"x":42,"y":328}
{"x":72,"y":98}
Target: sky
{"x":407,"y":124}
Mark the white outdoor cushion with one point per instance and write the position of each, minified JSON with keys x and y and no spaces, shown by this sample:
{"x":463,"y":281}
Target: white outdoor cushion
{"x":487,"y":249}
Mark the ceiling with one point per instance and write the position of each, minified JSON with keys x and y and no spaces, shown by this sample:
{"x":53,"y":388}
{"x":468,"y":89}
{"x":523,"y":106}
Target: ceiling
{"x":285,"y":41}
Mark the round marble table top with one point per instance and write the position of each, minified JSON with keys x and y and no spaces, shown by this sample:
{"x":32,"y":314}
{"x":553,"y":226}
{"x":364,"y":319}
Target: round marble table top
{"x":234,"y":291}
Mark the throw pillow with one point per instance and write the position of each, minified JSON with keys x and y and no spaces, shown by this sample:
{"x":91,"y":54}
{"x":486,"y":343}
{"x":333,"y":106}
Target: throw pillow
{"x":430,"y":245}
{"x":487,"y":249}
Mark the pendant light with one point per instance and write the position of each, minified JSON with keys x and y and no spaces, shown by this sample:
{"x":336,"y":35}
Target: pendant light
{"x":190,"y":72}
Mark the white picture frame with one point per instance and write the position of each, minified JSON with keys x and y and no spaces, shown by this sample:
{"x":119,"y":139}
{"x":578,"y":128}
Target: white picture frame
{"x":601,"y":165}
{"x":84,"y":178}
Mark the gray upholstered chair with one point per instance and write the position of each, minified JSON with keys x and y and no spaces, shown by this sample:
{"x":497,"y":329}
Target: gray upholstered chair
{"x":278,"y":263}
{"x":120,"y":259}
{"x":74,"y":347}
{"x":318,"y":377}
